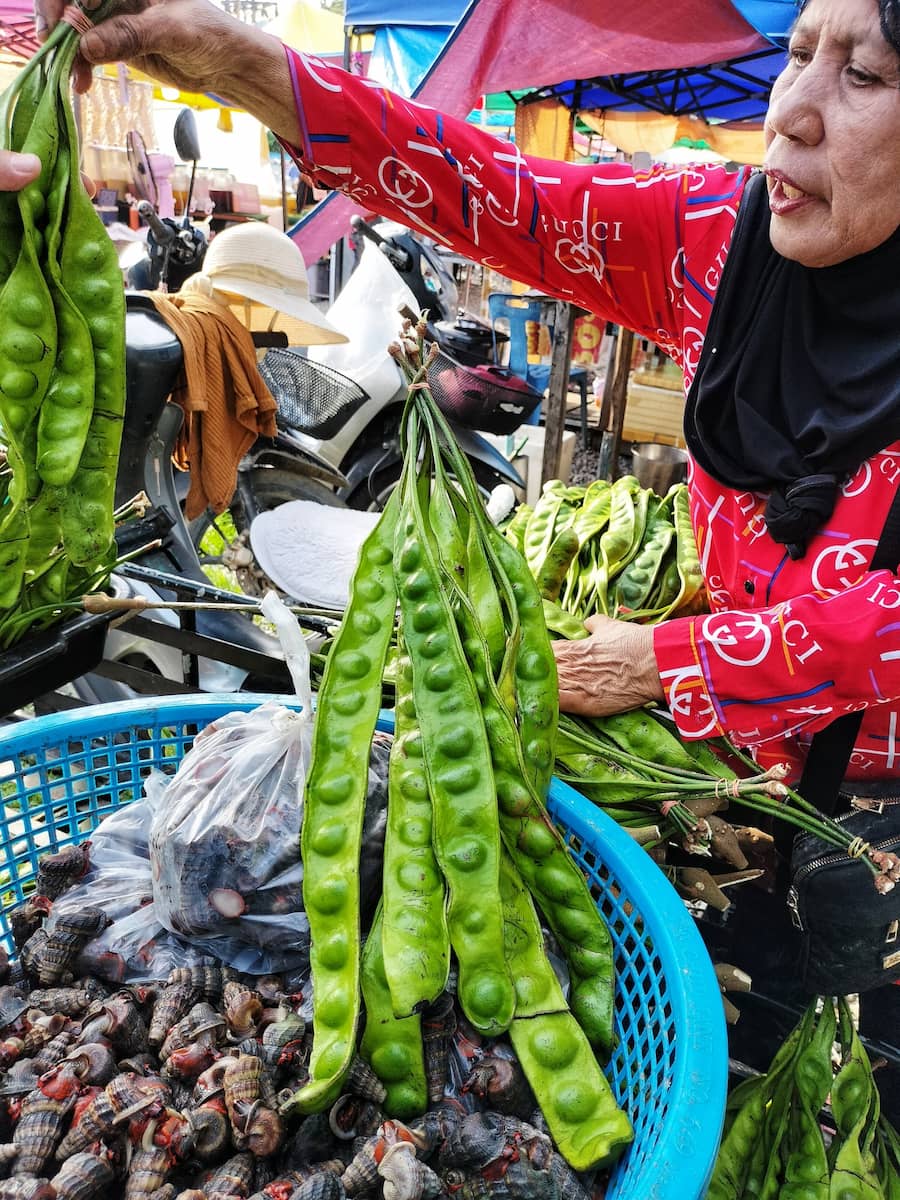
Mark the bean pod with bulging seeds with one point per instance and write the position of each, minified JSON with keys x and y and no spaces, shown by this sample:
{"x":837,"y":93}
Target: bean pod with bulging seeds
{"x":415,"y":940}
{"x":690,"y":572}
{"x":28,"y":333}
{"x":514,"y":530}
{"x":552,"y":571}
{"x":48,"y":354}
{"x":541,"y":856}
{"x":577,"y":1103}
{"x":635,"y":582}
{"x":67,"y":407}
{"x":89,"y":272}
{"x":393,"y":1045}
{"x":527,"y":830}
{"x":458,"y":762}
{"x":540,"y":530}
{"x":349,"y":698}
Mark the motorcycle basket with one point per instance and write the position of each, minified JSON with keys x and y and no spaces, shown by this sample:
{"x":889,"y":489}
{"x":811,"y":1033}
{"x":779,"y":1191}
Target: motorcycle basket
{"x":483,"y":397}
{"x":311,"y":397}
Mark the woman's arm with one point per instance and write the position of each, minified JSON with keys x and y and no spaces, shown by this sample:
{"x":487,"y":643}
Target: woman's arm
{"x":641,"y":251}
{"x":637,"y":249}
{"x":766,"y":674}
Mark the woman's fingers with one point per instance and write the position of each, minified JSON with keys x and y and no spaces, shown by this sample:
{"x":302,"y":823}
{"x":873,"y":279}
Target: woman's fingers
{"x":611,"y":671}
{"x":46,"y":15}
{"x":16,"y":170}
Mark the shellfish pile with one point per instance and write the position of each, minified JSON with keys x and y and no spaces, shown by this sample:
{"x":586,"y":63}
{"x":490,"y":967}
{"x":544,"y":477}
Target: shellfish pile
{"x":179,"y":1088}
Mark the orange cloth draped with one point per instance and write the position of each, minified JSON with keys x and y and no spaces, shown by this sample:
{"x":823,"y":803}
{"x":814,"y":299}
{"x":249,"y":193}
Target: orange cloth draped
{"x":225,"y":402}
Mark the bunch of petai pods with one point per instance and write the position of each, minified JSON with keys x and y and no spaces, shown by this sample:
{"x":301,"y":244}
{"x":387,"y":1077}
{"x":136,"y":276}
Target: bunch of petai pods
{"x":470,"y":848}
{"x":62,"y":354}
{"x":612,"y":548}
{"x":773,"y":1144}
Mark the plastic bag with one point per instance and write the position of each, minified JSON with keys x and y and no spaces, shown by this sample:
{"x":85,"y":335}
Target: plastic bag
{"x":135,"y":946}
{"x":225,"y":843}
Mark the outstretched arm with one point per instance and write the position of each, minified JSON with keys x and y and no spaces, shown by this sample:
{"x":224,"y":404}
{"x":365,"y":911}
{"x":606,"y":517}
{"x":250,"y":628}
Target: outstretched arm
{"x":191,"y":45}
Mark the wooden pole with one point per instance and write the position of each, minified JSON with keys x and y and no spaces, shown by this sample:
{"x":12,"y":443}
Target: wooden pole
{"x":284,"y":199}
{"x":557,"y":391}
{"x":617,"y":393}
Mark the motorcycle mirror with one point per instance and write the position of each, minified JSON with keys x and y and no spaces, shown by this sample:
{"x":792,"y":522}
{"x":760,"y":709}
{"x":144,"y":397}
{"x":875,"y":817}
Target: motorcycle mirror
{"x":187,"y":146}
{"x":187,"y":142}
{"x":142,"y":177}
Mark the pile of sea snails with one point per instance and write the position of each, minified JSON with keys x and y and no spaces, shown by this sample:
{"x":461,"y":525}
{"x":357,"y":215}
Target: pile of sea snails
{"x":174,"y":1089}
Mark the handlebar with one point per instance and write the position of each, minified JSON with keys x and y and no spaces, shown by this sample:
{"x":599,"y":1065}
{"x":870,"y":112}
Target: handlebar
{"x":396,"y":255}
{"x":163,"y":232}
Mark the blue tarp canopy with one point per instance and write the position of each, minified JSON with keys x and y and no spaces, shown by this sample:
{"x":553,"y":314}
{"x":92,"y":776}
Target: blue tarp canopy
{"x":403,"y":12}
{"x":737,"y":90}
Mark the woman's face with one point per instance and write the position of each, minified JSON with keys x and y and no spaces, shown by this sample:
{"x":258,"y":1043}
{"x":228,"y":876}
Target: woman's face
{"x":833,"y":136}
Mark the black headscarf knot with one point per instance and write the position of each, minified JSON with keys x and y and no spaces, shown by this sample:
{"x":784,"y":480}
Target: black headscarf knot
{"x":799,"y":379}
{"x":794,"y":513}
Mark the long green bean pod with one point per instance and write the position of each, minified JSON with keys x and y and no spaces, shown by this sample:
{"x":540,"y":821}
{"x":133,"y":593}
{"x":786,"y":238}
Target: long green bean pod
{"x":690,"y":573}
{"x":391,"y":1045}
{"x":68,"y":404}
{"x":458,"y":762}
{"x":89,"y":271}
{"x":415,"y":940}
{"x":335,"y":803}
{"x":541,"y":857}
{"x":806,"y":1165}
{"x":539,"y":532}
{"x":581,"y":1113}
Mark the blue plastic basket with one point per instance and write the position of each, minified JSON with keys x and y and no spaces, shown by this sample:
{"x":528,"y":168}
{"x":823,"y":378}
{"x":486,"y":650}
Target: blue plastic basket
{"x":61,"y":774}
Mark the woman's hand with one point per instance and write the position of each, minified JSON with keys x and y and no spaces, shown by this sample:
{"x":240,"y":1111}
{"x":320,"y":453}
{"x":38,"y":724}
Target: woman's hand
{"x":611,"y":671}
{"x":16,"y":170}
{"x":191,"y":45}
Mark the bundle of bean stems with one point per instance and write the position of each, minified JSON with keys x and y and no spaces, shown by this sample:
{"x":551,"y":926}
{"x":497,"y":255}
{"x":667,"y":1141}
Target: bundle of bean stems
{"x":773,"y":1143}
{"x":62,"y":353}
{"x":631,"y":763}
{"x":469,"y":845}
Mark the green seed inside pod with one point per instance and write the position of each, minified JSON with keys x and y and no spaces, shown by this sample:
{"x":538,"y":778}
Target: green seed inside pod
{"x":553,"y":1048}
{"x":333,"y":951}
{"x":330,"y":894}
{"x":574,"y":1100}
{"x":334,"y":1008}
{"x":330,"y":838}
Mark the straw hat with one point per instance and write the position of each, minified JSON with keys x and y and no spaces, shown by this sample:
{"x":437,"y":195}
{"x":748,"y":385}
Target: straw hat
{"x":260,"y":273}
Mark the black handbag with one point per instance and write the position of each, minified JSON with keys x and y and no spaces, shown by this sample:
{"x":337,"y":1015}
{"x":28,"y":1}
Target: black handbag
{"x":849,"y":932}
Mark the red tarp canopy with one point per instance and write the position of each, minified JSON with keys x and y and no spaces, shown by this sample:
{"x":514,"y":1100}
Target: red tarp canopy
{"x":507,"y":45}
{"x":17,"y":34}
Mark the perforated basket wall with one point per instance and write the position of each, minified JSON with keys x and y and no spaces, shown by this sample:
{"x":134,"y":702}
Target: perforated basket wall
{"x":61,"y":774}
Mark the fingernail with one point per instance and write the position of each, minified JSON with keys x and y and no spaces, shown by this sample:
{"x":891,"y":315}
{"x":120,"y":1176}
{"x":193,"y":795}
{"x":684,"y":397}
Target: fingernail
{"x":25,"y":165}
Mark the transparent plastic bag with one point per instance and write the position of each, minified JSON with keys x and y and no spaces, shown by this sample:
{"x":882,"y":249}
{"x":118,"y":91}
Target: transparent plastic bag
{"x":134,"y":946}
{"x":225,"y":841}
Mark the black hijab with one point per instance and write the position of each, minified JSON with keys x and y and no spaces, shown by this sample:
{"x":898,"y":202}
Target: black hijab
{"x":799,"y":378}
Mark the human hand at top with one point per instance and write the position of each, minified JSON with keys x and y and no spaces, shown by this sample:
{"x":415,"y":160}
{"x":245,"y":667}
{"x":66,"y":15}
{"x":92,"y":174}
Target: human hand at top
{"x":178,"y":42}
{"x":188,"y":44}
{"x":611,"y":671}
{"x":16,"y":170}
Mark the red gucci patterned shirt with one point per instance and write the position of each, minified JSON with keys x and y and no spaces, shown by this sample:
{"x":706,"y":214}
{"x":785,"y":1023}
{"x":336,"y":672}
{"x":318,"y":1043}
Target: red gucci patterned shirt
{"x":788,"y":645}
